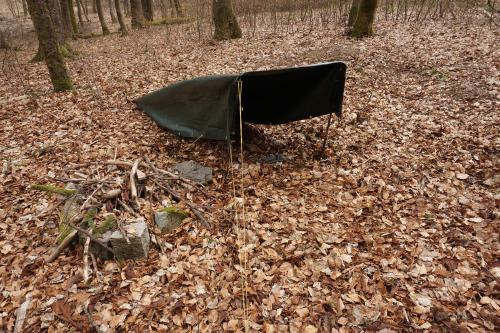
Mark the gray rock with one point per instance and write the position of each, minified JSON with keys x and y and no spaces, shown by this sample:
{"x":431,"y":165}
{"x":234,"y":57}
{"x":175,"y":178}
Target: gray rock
{"x":193,"y":171}
{"x":138,"y":236}
{"x":169,"y":219}
{"x":100,"y":252}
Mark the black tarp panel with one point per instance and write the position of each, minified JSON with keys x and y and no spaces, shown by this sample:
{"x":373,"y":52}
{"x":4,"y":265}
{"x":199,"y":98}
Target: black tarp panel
{"x":207,"y":107}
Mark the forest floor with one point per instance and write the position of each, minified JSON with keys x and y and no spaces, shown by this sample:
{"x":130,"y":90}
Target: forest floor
{"x":396,"y":229}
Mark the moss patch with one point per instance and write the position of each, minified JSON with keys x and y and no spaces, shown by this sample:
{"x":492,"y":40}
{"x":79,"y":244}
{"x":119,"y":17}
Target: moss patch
{"x":108,"y":224}
{"x":175,"y":210}
{"x":53,"y":189}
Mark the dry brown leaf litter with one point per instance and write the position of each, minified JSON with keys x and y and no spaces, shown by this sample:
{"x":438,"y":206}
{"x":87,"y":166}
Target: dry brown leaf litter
{"x":396,"y":230}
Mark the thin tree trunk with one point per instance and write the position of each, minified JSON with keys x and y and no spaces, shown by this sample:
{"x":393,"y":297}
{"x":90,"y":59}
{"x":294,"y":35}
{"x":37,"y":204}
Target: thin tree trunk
{"x":123,"y":26}
{"x":79,"y":11}
{"x":226,"y":25}
{"x":85,"y":7}
{"x":67,"y":27}
{"x":25,"y":8}
{"x":353,"y":13}
{"x":47,"y":38}
{"x":136,"y":14}
{"x":126,"y":7}
{"x":94,"y":6}
{"x":105,"y":30}
{"x":111,"y":11}
{"x":72,"y":16}
{"x":363,"y":25}
{"x":178,"y":8}
{"x":147,"y":9}
{"x":4,"y":44}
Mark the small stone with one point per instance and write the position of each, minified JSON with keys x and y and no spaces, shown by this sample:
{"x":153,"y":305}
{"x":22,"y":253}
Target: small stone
{"x":169,"y":218}
{"x":193,"y":171}
{"x":138,"y":236}
{"x":141,"y":176}
{"x":462,"y":176}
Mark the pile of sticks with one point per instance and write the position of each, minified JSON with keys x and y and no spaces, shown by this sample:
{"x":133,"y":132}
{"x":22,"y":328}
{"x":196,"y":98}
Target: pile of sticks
{"x":125,"y":188}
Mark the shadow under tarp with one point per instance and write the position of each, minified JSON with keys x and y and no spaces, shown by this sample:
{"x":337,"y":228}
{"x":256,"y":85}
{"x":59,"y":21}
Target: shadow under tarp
{"x":207,"y":107}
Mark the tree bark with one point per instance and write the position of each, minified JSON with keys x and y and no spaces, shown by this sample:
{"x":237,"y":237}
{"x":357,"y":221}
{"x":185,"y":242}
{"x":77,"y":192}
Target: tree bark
{"x":111,"y":11}
{"x":178,"y":8}
{"x":126,"y":7}
{"x":226,"y":25}
{"x":147,"y":9}
{"x":72,"y":16}
{"x":47,"y":38}
{"x":136,"y":14}
{"x":123,"y":26}
{"x":94,"y":6}
{"x":25,"y":8}
{"x":363,"y":24}
{"x":100,"y":14}
{"x":67,"y":28}
{"x":79,"y":11}
{"x":4,"y":44}
{"x":353,"y":12}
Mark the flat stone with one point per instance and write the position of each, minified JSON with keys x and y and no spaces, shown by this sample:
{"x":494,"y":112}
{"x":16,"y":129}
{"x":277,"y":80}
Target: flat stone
{"x":138,"y":236}
{"x":167,"y":221}
{"x":193,"y":171}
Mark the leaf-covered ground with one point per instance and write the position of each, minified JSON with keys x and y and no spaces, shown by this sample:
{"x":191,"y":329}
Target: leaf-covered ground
{"x":395,"y":230}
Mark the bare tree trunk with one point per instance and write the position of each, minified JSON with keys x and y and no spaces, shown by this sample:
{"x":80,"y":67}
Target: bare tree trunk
{"x":126,"y":7}
{"x":226,"y":25}
{"x":123,"y":26}
{"x":353,"y":13}
{"x":48,"y":40}
{"x":4,"y":44}
{"x":67,"y":28}
{"x":363,"y":24}
{"x":136,"y":14}
{"x":104,"y":27}
{"x":79,"y":11}
{"x":111,"y":11}
{"x":72,"y":16}
{"x":178,"y":8}
{"x":147,"y":9}
{"x":85,"y":7}
{"x":25,"y":8}
{"x":94,"y":6}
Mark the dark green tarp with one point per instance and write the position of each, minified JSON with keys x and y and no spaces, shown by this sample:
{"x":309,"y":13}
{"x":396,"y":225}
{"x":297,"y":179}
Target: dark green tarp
{"x":207,"y":107}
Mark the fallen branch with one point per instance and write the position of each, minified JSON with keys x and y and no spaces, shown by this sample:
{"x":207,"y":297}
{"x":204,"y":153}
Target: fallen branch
{"x":64,"y":244}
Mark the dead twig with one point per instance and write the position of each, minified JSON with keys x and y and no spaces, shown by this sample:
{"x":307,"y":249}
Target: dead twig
{"x":127,"y":208}
{"x":86,"y":275}
{"x":191,"y":206}
{"x":133,"y":186}
{"x":86,"y":233}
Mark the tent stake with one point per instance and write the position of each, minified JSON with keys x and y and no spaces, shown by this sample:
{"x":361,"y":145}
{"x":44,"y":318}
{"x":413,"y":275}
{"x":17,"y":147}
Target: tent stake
{"x":322,"y":151}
